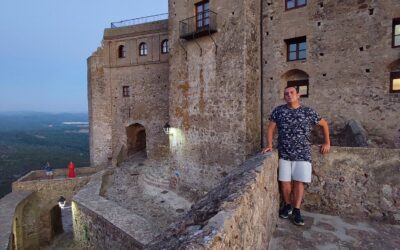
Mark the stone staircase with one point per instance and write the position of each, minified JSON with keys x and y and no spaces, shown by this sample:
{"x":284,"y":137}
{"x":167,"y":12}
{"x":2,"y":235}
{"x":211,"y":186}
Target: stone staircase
{"x":156,"y":176}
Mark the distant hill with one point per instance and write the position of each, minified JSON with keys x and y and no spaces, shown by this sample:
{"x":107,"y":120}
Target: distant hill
{"x":29,"y":139}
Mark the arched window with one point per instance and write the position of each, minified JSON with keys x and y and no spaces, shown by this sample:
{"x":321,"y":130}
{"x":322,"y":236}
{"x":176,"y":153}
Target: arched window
{"x":298,"y":79}
{"x":121,"y":51}
{"x":143,"y":49}
{"x":394,"y":69}
{"x":164,"y":46}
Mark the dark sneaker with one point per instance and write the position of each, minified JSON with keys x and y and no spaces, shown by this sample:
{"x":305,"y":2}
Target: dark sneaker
{"x":297,"y":218}
{"x":285,"y":211}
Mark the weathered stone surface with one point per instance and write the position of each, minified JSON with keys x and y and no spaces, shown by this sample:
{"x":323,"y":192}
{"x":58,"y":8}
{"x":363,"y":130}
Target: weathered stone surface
{"x":10,"y":210}
{"x":102,"y":224}
{"x":333,"y":232}
{"x":348,"y":65}
{"x":355,"y":134}
{"x":34,"y":221}
{"x":356,"y":182}
{"x":111,"y":113}
{"x":239,"y":213}
{"x":214,"y":92}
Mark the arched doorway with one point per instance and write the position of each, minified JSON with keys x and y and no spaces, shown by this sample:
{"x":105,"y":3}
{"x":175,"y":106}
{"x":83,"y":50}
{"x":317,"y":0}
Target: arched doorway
{"x":136,"y":139}
{"x":56,"y":221}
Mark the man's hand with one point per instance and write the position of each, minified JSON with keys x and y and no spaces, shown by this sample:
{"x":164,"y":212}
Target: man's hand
{"x":325,"y":148}
{"x":267,"y":149}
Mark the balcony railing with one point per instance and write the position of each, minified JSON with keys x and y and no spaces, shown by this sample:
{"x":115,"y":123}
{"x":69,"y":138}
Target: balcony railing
{"x":140,"y":20}
{"x":205,"y":23}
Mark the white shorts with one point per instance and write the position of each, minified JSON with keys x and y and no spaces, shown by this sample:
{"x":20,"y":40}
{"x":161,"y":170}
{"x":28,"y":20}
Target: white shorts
{"x":294,"y":170}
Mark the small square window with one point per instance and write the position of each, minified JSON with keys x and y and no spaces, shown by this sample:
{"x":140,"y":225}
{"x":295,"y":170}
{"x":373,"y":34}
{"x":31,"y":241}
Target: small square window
{"x":292,"y":4}
{"x":396,"y":32}
{"x":395,"y":82}
{"x":296,"y":49}
{"x":125,"y":91}
{"x":301,"y":86}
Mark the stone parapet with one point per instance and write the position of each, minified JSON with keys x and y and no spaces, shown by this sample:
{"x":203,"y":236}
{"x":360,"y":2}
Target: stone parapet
{"x":9,"y":205}
{"x":102,"y":224}
{"x":356,"y":182}
{"x":57,"y":173}
{"x":240,"y":213}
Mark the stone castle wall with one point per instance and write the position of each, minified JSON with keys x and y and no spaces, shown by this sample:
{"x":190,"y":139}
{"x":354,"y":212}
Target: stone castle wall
{"x":214,"y":91}
{"x":356,"y":182}
{"x":241,"y":212}
{"x":147,"y":101}
{"x":34,"y":219}
{"x":349,"y":59}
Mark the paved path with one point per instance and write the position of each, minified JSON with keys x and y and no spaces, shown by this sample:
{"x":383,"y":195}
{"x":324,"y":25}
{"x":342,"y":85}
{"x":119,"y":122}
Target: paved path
{"x":332,"y":232}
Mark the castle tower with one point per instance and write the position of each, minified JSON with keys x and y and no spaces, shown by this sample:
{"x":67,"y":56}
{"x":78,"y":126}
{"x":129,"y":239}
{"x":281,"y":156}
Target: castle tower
{"x":128,"y":91}
{"x":214,"y":86}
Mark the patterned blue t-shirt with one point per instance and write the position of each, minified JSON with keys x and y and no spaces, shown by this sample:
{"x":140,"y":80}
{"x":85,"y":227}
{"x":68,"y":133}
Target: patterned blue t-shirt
{"x":294,"y":131}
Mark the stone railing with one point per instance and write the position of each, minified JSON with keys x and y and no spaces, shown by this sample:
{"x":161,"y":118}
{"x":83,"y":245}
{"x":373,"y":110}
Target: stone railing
{"x":10,"y":206}
{"x":240,"y":213}
{"x":36,"y":220}
{"x":58,"y":173}
{"x":102,"y":224}
{"x":356,"y":182}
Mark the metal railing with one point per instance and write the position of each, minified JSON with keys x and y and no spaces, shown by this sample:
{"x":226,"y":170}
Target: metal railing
{"x":204,"y":23}
{"x":139,"y":20}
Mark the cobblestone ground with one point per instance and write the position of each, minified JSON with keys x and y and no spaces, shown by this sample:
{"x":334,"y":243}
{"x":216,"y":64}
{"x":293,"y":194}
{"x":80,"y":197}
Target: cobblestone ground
{"x":332,"y":232}
{"x":159,"y":206}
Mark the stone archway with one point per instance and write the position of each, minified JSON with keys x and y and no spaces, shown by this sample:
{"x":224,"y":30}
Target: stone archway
{"x":295,"y":78}
{"x":56,"y":221}
{"x":136,"y":139}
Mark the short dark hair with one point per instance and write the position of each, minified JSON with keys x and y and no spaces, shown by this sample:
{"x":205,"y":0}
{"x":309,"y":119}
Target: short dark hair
{"x":295,"y":87}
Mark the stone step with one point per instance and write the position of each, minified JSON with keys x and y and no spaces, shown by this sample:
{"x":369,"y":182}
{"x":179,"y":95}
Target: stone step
{"x":162,"y":185}
{"x":156,"y":175}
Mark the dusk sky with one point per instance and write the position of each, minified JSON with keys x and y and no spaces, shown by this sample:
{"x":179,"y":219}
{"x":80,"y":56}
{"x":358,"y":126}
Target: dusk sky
{"x":44,"y":46}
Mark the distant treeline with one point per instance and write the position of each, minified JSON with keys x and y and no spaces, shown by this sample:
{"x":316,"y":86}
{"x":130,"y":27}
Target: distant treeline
{"x":27,"y":142}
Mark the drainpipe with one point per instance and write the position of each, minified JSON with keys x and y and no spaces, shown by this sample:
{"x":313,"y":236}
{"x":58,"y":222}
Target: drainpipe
{"x":261,"y":74}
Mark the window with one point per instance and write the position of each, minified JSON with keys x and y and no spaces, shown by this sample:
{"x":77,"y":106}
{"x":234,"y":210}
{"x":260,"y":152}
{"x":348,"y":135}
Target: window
{"x":143,"y":49}
{"x":125,"y":91}
{"x":395,"y":82}
{"x":396,"y":32}
{"x":121,"y":51}
{"x":296,"y":48}
{"x":202,"y":14}
{"x":301,"y":86}
{"x":164,"y":47}
{"x":292,"y":4}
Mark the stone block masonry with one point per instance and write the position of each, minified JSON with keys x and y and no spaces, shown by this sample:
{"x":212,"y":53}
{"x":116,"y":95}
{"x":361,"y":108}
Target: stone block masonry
{"x":10,"y":209}
{"x":239,"y":213}
{"x":128,"y":94}
{"x":349,"y":58}
{"x":356,"y":182}
{"x":215,"y":91}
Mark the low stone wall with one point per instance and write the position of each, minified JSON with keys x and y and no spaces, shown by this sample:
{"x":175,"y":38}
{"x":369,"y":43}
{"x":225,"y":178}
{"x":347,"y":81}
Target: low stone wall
{"x":102,"y":224}
{"x":62,"y":172}
{"x":356,"y":182}
{"x":9,"y":207}
{"x":35,"y":219}
{"x":239,"y":213}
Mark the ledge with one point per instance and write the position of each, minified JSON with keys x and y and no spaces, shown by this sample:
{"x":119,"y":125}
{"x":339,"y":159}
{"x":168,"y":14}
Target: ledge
{"x":8,"y":206}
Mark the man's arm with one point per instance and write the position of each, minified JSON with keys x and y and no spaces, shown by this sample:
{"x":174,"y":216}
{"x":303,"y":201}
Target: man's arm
{"x":325,"y":148}
{"x":270,"y":134}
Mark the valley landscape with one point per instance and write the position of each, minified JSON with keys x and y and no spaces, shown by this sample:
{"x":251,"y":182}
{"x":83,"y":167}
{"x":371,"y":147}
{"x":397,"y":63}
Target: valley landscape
{"x":29,"y":139}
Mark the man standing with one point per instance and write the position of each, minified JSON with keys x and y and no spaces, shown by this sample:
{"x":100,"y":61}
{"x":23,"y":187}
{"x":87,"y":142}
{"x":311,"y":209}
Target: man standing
{"x":294,"y":123}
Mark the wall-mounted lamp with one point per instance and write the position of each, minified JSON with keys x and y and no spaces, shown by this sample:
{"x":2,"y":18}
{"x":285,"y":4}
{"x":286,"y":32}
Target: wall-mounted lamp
{"x":61,"y":202}
{"x":166,"y":128}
